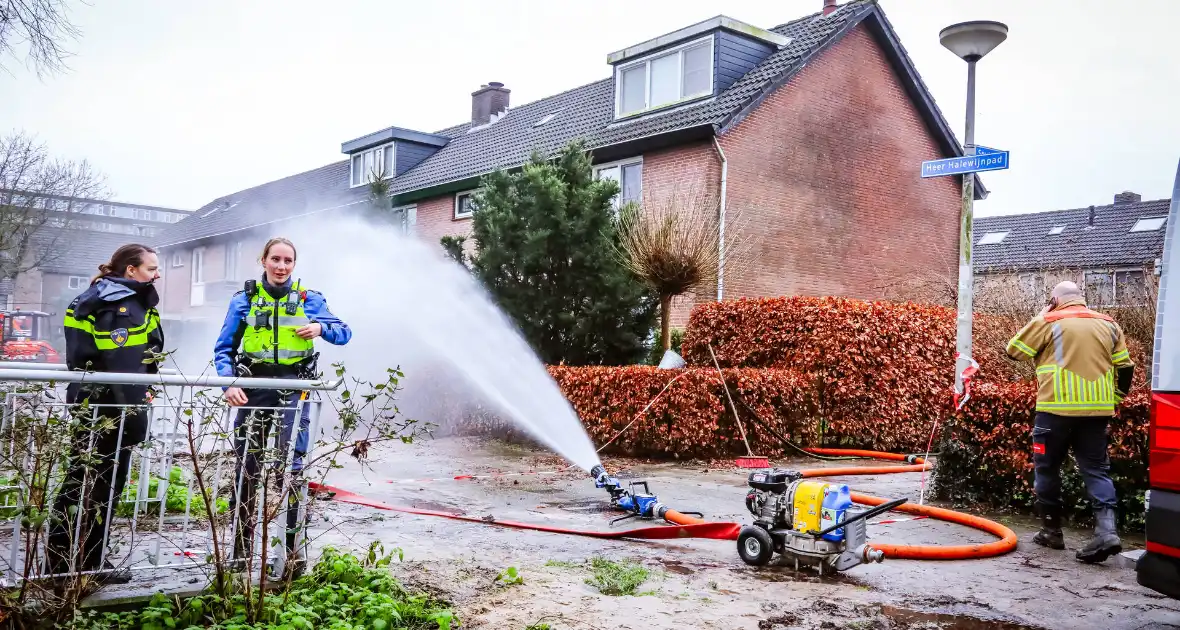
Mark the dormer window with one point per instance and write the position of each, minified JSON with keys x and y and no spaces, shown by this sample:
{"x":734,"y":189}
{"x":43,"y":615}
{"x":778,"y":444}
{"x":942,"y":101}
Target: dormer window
{"x":666,"y":78}
{"x":372,"y":163}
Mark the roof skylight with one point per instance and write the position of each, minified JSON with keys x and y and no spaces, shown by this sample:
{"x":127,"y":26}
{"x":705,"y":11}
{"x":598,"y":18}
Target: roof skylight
{"x":1057,"y":229}
{"x":1149,"y":225}
{"x":992,"y":238}
{"x":544,"y":120}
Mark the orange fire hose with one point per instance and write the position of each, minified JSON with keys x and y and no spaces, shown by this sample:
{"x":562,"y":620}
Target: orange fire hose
{"x":1007,"y":537}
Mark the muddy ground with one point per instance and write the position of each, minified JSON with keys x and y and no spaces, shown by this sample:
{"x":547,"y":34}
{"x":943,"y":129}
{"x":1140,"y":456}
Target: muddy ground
{"x":698,"y":583}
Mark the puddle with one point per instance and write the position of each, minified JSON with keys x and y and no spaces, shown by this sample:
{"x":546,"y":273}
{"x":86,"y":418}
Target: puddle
{"x":437,"y":507}
{"x":905,"y":618}
{"x":587,"y":506}
{"x":673,"y":566}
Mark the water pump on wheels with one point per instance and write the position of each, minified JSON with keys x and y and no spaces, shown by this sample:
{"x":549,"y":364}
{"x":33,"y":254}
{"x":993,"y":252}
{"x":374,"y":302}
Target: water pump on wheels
{"x":810,"y":522}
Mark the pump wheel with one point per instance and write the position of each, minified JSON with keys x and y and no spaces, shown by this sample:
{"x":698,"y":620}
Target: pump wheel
{"x":755,"y":546}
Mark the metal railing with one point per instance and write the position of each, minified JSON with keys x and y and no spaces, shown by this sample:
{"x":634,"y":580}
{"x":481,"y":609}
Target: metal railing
{"x":192,"y":470}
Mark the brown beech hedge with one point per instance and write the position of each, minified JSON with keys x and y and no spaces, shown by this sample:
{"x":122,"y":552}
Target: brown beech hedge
{"x":840,"y":372}
{"x":693,"y":419}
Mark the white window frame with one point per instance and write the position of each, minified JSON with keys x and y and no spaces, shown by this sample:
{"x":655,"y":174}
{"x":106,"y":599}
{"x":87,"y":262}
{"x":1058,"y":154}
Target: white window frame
{"x":178,"y":258}
{"x":409,"y":218}
{"x":77,"y":282}
{"x":378,"y":153}
{"x":646,"y":61}
{"x":619,"y":164}
{"x":1114,"y":283}
{"x":233,"y":258}
{"x":458,"y":196}
{"x":197,"y":277}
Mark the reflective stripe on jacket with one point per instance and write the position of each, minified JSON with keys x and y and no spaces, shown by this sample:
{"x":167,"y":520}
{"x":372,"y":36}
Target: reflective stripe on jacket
{"x":1082,"y":363}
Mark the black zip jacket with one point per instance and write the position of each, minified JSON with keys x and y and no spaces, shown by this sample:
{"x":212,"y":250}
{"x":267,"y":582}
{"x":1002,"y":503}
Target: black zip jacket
{"x":113,"y":326}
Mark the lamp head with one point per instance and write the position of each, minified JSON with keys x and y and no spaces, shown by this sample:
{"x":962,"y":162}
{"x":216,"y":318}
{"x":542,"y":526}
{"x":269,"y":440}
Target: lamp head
{"x":972,"y":40}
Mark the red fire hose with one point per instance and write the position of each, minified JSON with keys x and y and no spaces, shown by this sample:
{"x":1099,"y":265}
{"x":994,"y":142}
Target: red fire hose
{"x":692,"y":527}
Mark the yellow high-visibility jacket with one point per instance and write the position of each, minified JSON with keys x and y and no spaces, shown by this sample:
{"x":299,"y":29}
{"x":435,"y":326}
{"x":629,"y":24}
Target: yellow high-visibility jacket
{"x":1083,"y":367}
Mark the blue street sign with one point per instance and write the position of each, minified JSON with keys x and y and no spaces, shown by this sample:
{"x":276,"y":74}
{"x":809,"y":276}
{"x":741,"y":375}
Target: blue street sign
{"x":985,"y":159}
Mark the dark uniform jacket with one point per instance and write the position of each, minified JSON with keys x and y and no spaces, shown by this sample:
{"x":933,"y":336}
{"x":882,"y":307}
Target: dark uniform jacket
{"x":113,"y":326}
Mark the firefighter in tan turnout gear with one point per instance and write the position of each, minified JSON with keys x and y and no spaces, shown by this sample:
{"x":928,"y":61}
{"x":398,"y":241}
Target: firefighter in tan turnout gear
{"x":1083,"y":372}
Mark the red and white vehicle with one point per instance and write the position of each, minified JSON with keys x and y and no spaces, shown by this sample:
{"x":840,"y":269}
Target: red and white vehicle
{"x":1159,"y":568}
{"x":24,"y":337}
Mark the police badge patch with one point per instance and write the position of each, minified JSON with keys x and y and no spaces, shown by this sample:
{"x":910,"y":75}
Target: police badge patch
{"x":119,"y":336}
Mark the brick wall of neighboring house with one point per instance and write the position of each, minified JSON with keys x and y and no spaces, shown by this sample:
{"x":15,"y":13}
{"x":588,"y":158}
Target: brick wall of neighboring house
{"x":435,"y":219}
{"x":997,"y":291}
{"x":678,"y":175}
{"x":830,"y":216}
{"x":174,"y":292}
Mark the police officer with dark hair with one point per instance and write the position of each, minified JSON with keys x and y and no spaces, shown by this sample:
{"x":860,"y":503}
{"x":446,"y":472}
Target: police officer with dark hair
{"x":113,"y":326}
{"x":275,"y":323}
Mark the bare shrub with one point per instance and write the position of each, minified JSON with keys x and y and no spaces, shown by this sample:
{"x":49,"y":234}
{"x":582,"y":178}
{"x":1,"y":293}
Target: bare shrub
{"x":672,"y":243}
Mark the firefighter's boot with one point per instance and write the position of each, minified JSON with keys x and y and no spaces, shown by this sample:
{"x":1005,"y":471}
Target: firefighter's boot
{"x":1105,"y":542}
{"x":1050,"y":535}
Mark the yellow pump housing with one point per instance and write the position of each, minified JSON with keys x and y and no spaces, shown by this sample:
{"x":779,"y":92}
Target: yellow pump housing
{"x":808,"y":503}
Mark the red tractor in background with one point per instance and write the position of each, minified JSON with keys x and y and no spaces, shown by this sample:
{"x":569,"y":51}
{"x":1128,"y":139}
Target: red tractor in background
{"x":24,"y":337}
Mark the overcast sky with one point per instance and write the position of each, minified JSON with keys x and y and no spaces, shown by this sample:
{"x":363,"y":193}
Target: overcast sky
{"x":182,"y":102}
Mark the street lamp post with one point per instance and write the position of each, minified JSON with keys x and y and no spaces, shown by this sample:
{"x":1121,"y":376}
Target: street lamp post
{"x":970,"y":41}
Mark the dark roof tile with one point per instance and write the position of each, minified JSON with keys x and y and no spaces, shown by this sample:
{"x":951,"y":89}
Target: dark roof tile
{"x":1108,"y":243}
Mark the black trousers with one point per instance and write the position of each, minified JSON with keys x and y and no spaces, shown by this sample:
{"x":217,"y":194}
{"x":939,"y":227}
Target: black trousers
{"x":252,"y":429}
{"x":96,"y":473}
{"x":1053,"y":437}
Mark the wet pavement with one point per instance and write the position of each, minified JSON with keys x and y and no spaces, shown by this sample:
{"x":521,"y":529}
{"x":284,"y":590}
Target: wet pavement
{"x":701,"y":583}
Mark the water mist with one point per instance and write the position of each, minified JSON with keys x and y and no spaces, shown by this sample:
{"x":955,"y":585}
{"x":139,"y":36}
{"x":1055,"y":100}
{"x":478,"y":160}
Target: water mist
{"x":411,"y":306}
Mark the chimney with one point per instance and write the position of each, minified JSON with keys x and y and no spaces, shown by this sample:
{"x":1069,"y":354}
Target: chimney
{"x":829,"y":6}
{"x":1090,"y":223}
{"x":1128,"y":197}
{"x":488,"y":101}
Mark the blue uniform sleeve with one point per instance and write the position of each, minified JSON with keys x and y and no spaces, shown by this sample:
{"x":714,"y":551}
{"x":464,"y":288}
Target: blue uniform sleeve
{"x":335,"y":331}
{"x":231,"y":334}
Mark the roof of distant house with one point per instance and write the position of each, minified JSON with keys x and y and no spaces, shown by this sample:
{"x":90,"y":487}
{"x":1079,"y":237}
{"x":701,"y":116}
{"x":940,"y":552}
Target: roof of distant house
{"x":585,"y":113}
{"x":1098,"y":236}
{"x":78,"y":252}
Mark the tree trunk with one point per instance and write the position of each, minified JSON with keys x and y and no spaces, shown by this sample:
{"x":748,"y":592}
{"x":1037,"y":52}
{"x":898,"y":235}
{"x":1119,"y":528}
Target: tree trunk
{"x":666,"y":322}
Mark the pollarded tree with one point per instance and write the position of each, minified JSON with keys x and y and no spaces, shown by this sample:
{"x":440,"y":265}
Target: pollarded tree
{"x":673,"y":243}
{"x":545,"y":239}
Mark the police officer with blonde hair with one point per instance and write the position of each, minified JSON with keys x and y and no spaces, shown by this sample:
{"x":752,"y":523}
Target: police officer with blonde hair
{"x":269,"y":331}
{"x":1083,"y":371}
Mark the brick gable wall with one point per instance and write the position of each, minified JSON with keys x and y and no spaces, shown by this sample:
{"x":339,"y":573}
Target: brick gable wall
{"x":826,"y":171}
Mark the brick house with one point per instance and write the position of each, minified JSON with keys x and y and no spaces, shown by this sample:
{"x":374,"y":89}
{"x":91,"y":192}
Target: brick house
{"x":1113,"y":252}
{"x":782,"y":123}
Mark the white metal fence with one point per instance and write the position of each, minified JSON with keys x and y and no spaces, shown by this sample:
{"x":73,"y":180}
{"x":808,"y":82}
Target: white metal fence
{"x":197,"y":486}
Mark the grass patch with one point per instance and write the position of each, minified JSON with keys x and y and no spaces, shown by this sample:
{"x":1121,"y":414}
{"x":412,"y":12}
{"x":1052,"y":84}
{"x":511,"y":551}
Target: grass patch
{"x":563,"y":564}
{"x":616,"y":578}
